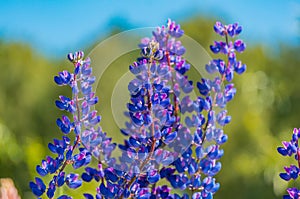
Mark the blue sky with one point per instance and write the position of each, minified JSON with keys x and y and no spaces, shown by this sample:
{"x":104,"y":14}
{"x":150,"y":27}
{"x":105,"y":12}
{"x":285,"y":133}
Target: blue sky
{"x":55,"y":27}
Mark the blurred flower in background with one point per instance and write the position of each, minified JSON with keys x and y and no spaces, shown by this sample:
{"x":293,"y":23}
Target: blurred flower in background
{"x":8,"y":189}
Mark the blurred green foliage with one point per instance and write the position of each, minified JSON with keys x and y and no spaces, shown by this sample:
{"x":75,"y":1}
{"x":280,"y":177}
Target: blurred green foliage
{"x":264,"y":112}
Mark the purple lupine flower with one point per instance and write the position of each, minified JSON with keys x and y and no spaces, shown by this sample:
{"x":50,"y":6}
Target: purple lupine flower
{"x":63,"y":78}
{"x":239,"y":46}
{"x":291,"y":148}
{"x":294,"y":193}
{"x":73,"y":181}
{"x":204,"y":87}
{"x":219,"y":28}
{"x":42,"y":169}
{"x":161,"y":142}
{"x":38,"y":188}
{"x":80,"y":106}
{"x":92,"y":173}
{"x":65,"y":103}
{"x":291,"y":172}
{"x":60,"y":179}
{"x":88,"y":196}
{"x":234,"y":29}
{"x":59,"y":146}
{"x":81,"y":159}
{"x":209,"y":131}
{"x":51,"y":189}
{"x":174,"y":29}
{"x":219,"y":47}
{"x":231,"y":29}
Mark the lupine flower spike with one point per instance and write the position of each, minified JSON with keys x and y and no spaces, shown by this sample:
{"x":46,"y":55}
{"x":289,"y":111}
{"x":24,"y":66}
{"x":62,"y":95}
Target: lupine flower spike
{"x":291,"y":148}
{"x":170,"y":136}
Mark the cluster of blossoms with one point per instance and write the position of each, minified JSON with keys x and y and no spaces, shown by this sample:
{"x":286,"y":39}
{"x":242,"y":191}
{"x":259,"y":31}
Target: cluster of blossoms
{"x":291,"y":148}
{"x":169,"y":134}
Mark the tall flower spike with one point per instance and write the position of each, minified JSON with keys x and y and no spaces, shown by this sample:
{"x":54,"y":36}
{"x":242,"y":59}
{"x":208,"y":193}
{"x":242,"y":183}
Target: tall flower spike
{"x":84,"y":126}
{"x":170,"y":136}
{"x":292,"y":172}
{"x":213,"y":94}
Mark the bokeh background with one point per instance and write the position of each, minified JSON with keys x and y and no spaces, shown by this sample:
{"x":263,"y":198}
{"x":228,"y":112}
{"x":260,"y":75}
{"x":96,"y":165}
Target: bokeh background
{"x":36,"y":35}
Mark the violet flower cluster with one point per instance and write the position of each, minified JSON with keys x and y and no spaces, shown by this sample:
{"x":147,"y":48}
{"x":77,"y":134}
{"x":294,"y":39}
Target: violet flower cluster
{"x":291,"y":148}
{"x":173,"y":141}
